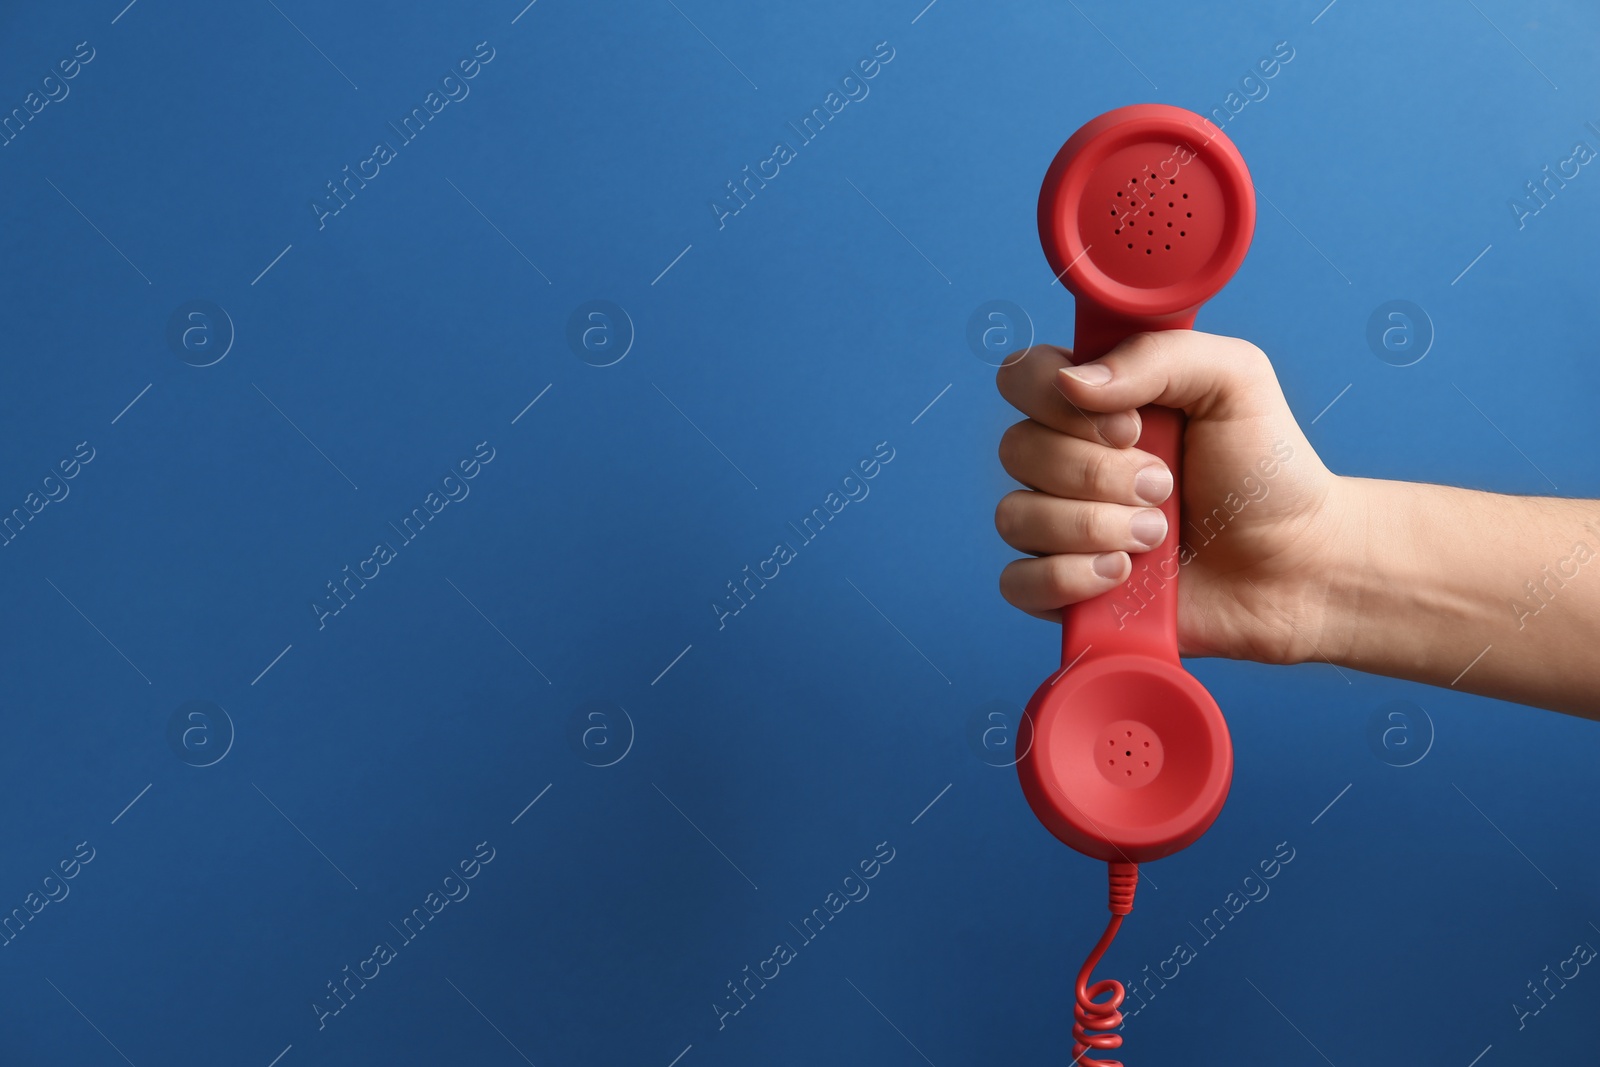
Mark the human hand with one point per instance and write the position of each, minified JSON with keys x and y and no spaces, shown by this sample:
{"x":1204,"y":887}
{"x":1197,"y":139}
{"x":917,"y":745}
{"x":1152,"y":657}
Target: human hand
{"x":1262,"y":516}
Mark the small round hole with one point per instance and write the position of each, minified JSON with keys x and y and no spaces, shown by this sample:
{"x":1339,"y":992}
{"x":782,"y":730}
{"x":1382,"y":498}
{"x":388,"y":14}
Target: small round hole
{"x":1188,"y":214}
{"x":1130,"y":244}
{"x":1181,"y":233}
{"x":1127,"y":753}
{"x":1130,"y":733}
{"x":1171,"y":204}
{"x":1130,"y":774}
{"x":1186,"y":196}
{"x":1148,"y":252}
{"x":1147,"y":744}
{"x":1147,"y":763}
{"x":1169,"y":248}
{"x":1119,"y":192}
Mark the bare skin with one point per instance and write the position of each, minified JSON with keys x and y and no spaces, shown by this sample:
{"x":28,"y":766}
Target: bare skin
{"x":1285,"y":561}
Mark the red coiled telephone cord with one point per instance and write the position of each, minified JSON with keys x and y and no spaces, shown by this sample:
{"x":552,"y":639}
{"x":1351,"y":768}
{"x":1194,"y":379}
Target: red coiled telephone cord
{"x":1093,"y":1018}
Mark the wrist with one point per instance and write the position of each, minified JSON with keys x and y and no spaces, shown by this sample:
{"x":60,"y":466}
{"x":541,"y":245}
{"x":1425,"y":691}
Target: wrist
{"x":1388,"y":608}
{"x":1343,"y":576}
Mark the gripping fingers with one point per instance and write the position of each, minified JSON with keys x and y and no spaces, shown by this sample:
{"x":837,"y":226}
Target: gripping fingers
{"x":1030,"y":385}
{"x":1044,"y":586}
{"x":1057,"y":463}
{"x":1045,"y":525}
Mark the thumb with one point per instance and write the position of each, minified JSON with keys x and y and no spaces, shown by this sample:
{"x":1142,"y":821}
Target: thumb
{"x":1204,"y":375}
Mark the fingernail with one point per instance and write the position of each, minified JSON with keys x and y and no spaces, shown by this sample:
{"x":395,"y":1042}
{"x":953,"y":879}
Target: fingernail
{"x":1149,"y":528}
{"x":1089,"y":373}
{"x":1108,"y":564}
{"x":1153,"y":484}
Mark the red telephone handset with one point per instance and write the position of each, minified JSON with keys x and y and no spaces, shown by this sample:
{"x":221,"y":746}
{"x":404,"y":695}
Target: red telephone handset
{"x":1144,"y":215}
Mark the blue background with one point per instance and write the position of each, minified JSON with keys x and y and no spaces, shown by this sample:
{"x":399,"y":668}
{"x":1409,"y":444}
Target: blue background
{"x":765,"y":759}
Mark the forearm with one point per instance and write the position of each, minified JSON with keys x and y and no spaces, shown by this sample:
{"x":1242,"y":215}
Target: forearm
{"x":1491,"y":594}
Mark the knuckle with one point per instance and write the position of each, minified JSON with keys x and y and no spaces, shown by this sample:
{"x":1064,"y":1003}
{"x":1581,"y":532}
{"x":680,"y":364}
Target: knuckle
{"x":1011,"y":448}
{"x":1080,"y":524}
{"x":1017,"y":587}
{"x":1059,"y":579}
{"x":1006,"y":518}
{"x":1005,"y":374}
{"x":1099,"y":472}
{"x":1101,"y":528}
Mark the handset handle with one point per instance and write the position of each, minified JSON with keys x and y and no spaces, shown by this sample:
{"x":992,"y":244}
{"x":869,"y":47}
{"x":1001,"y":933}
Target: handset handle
{"x":1140,"y":616}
